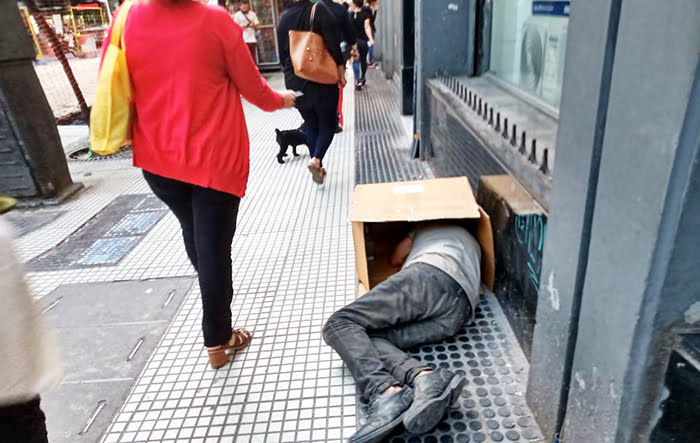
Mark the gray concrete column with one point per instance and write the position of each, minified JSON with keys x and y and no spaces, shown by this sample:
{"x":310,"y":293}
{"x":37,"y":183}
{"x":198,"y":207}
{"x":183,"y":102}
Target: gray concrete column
{"x":444,"y":43}
{"x":642,"y":279}
{"x":582,"y":120}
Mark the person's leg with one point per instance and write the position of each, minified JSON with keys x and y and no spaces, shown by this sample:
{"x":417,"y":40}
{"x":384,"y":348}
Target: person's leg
{"x":215,"y":215}
{"x":252,"y":47}
{"x":370,"y":55}
{"x":434,"y":390}
{"x":409,"y":296}
{"x":177,"y":196}
{"x":356,"y":69}
{"x":392,"y":342}
{"x":23,"y":422}
{"x":363,"y":48}
{"x":340,"y":107}
{"x":310,"y":126}
{"x":325,"y":104}
{"x":399,"y":364}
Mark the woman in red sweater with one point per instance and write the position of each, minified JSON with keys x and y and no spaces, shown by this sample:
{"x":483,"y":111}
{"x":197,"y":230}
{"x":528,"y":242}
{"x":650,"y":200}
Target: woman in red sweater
{"x":189,"y":67}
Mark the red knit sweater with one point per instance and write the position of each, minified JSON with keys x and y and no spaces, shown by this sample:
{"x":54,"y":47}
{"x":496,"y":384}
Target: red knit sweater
{"x":189,"y":67}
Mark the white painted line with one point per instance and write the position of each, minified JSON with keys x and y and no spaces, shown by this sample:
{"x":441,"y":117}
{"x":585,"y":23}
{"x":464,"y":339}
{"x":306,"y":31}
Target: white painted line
{"x":102,"y":380}
{"x":136,"y":348}
{"x":100,"y":405}
{"x":170,"y":298}
{"x":52,"y":305}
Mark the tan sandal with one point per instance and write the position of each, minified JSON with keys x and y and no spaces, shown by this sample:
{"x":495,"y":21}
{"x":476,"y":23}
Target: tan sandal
{"x":218,"y":355}
{"x":317,"y":174}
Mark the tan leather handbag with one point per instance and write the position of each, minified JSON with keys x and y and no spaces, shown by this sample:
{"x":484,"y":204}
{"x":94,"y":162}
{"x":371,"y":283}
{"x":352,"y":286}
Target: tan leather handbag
{"x":310,"y":58}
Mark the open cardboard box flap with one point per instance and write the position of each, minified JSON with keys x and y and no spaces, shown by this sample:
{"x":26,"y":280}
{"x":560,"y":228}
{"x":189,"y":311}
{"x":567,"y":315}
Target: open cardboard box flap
{"x":415,"y":201}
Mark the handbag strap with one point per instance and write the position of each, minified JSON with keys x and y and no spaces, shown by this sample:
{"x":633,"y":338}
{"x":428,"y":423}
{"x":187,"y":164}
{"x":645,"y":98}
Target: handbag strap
{"x":117,"y":38}
{"x":313,"y":14}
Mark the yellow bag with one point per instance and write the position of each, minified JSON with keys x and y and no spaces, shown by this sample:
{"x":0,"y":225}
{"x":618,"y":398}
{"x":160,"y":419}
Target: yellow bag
{"x":112,"y":112}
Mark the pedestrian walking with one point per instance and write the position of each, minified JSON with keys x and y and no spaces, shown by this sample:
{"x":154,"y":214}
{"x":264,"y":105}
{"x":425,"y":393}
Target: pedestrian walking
{"x":189,"y":66}
{"x":30,"y":364}
{"x":373,"y":7}
{"x":248,"y":20}
{"x":319,"y":102}
{"x":362,"y":27}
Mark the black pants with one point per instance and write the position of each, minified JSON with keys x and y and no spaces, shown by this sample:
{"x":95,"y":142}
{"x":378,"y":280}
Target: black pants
{"x":318,"y":107}
{"x":360,"y":66}
{"x":416,"y":306}
{"x":208,"y":221}
{"x":23,"y":422}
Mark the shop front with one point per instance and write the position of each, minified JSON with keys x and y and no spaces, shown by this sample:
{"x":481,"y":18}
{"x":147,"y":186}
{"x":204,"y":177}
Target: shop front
{"x":268,"y":12}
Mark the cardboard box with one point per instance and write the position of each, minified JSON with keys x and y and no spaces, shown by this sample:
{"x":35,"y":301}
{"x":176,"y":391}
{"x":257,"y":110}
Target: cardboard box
{"x":383,"y":214}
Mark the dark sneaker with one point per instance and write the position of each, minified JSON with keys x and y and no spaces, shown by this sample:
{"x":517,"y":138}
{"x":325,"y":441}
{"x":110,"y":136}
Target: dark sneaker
{"x":384,"y":415}
{"x":434,"y":393}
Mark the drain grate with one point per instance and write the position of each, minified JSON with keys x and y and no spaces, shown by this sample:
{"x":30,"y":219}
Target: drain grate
{"x":107,"y":237}
{"x":84,"y":154}
{"x":492,"y":405}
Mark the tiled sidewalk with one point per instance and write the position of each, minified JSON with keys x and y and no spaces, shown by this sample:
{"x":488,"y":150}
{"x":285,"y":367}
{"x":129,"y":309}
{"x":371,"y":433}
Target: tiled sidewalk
{"x":293,"y":267}
{"x":292,"y":257}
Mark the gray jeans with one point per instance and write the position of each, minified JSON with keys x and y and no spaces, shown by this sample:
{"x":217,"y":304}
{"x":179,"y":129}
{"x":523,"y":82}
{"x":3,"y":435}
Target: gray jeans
{"x":416,"y":306}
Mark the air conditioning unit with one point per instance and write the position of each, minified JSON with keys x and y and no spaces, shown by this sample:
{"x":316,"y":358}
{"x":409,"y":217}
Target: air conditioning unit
{"x":542,"y":52}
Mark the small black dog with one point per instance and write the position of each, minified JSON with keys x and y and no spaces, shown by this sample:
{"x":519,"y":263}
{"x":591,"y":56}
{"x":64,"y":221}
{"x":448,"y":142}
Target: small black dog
{"x":285,"y":139}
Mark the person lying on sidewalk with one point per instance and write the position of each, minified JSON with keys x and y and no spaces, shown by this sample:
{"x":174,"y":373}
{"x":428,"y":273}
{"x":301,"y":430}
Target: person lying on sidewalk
{"x":430,"y":299}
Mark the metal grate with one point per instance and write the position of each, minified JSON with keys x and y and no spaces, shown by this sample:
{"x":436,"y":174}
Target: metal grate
{"x":107,"y":237}
{"x":492,"y":405}
{"x":382,"y":147}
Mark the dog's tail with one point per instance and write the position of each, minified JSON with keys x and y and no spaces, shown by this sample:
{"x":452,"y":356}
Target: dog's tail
{"x":277,"y":131}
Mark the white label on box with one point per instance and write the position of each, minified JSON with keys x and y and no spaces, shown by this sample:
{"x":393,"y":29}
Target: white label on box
{"x":408,"y":189}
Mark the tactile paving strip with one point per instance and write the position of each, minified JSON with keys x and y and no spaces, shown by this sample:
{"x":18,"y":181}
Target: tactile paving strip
{"x":382,"y":147}
{"x":492,"y":405}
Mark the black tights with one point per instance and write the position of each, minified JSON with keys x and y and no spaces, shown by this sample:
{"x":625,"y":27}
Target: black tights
{"x":208,"y":221}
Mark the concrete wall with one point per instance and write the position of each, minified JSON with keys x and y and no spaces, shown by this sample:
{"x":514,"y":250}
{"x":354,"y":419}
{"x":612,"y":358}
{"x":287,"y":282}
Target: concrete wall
{"x":639,"y":283}
{"x":444,"y":43}
{"x":615,"y":285}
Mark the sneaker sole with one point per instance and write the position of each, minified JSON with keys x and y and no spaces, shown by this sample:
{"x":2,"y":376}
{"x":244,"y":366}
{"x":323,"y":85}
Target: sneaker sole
{"x":430,"y":413}
{"x":379,"y":434}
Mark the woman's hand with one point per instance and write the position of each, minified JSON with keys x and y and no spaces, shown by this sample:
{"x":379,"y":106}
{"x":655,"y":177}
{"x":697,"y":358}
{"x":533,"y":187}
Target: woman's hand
{"x":288,"y":97}
{"x":370,"y":43}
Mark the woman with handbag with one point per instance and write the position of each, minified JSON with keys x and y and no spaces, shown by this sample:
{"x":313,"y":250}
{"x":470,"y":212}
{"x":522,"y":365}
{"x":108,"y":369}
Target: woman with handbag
{"x":189,"y":65}
{"x":309,"y":45}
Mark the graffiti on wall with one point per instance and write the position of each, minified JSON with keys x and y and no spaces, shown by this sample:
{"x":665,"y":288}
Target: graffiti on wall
{"x":530,"y":232}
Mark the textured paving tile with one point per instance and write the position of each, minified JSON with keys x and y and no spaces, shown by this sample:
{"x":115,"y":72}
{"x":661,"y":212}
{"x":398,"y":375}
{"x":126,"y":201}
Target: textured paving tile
{"x":293,"y":267}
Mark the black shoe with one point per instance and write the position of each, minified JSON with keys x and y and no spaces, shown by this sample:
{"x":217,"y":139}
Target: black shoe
{"x":434,"y":393}
{"x":338,"y":129}
{"x":385,"y":414}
